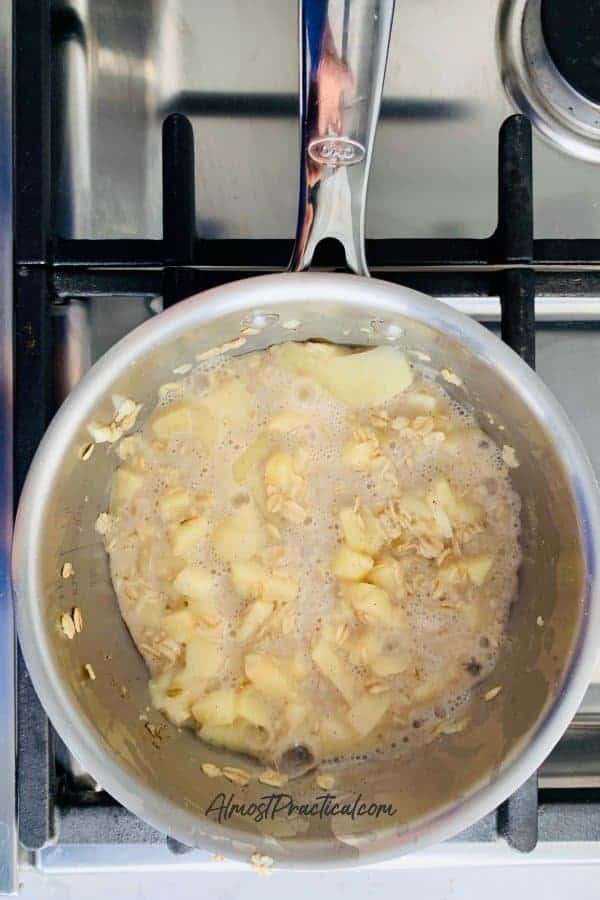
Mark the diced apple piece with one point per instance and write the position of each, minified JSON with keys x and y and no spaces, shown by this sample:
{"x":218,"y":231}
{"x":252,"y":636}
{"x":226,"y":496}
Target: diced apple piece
{"x":252,"y":706}
{"x":229,"y":401}
{"x":203,"y":660}
{"x":269,"y":675}
{"x":473,"y":614}
{"x":299,"y":667}
{"x":362,"y":531}
{"x":306,"y":358}
{"x":162,"y":564}
{"x":478,"y":567}
{"x":245,"y":468}
{"x":359,"y":456}
{"x":462,"y":511}
{"x":176,"y":419}
{"x":457,"y":438}
{"x":371,"y":603}
{"x":441,"y":520}
{"x":366,"y":379}
{"x":280,"y":589}
{"x":239,"y":537}
{"x":363,"y":646}
{"x":336,"y":735}
{"x":466,"y":512}
{"x":194,"y":582}
{"x":204,"y":609}
{"x":240,"y":736}
{"x":295,"y":714}
{"x":207,"y":428}
{"x":187,"y":536}
{"x":357,"y":379}
{"x":334,"y":669}
{"x":350,"y":565}
{"x":432,"y":686}
{"x":197,"y":584}
{"x":175,"y":703}
{"x":180,"y":419}
{"x":449,"y":571}
{"x":420,"y":402}
{"x":367,"y":712}
{"x":248,"y":577}
{"x":179,"y":625}
{"x":281,"y":471}
{"x":216,"y":707}
{"x":297,"y":357}
{"x":174,"y":505}
{"x":374,"y":532}
{"x":251,"y":579}
{"x":125,"y":484}
{"x":386,"y":575}
{"x":257,"y":613}
{"x":443,"y":493}
{"x":390,"y":664}
{"x":286,"y":421}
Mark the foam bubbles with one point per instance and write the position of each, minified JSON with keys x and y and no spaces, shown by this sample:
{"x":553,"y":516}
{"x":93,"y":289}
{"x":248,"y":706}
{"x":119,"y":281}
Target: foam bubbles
{"x":441,"y":638}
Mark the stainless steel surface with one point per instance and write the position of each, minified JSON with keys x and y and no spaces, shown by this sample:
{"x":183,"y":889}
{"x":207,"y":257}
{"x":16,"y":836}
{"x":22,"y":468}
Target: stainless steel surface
{"x":343,"y":52}
{"x":8,"y":826}
{"x":561,"y":114}
{"x":235,"y":73}
{"x":544,"y":670}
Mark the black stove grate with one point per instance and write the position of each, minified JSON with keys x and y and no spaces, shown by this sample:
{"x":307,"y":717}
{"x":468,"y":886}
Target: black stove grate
{"x":50,"y":270}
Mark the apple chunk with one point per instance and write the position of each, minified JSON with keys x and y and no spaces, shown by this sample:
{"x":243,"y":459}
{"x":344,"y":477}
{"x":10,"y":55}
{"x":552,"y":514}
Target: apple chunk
{"x":203,"y":660}
{"x":334,"y":669}
{"x":255,"y":616}
{"x":269,"y":676}
{"x":230,"y":402}
{"x":174,"y":505}
{"x":239,"y":537}
{"x":476,"y":567}
{"x":187,"y":536}
{"x":350,"y":565}
{"x":195,"y":583}
{"x":217,"y":707}
{"x":126,"y":483}
{"x":461,"y":511}
{"x":180,"y":419}
{"x":357,"y":379}
{"x":367,"y":712}
{"x":362,"y":531}
{"x":371,"y":604}
{"x":367,"y":379}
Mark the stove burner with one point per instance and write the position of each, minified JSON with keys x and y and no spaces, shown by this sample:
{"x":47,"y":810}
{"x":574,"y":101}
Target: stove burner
{"x":571,"y":30}
{"x":550,"y":56}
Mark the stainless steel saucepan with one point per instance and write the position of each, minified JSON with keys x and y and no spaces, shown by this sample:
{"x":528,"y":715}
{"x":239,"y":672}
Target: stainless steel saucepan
{"x":554,"y":627}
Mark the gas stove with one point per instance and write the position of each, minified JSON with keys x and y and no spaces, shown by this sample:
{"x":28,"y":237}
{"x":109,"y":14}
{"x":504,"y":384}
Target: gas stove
{"x":147,"y":141}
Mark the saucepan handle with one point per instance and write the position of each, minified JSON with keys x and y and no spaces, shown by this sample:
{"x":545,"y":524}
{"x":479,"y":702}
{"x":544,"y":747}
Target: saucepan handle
{"x":343,"y":53}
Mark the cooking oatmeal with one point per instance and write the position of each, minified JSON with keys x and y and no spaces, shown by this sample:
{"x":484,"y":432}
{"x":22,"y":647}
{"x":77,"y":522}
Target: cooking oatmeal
{"x":315,"y":550}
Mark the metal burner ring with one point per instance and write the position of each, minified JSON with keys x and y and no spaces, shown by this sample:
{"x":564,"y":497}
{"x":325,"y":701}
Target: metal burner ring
{"x":562,"y":115}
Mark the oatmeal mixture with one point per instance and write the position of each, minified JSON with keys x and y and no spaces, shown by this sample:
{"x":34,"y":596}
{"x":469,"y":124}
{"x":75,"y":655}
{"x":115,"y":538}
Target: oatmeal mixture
{"x":315,"y":551}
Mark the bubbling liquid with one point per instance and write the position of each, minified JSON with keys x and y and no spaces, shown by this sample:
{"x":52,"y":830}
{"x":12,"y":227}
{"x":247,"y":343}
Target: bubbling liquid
{"x":310,"y":561}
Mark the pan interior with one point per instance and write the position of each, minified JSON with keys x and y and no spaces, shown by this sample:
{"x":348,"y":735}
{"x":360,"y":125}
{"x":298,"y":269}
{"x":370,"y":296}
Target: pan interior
{"x":113,"y":708}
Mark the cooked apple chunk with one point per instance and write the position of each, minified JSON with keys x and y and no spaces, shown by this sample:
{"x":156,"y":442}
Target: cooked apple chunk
{"x":188,"y":535}
{"x":362,"y":531}
{"x":350,"y":565}
{"x":126,"y":483}
{"x":239,"y":537}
